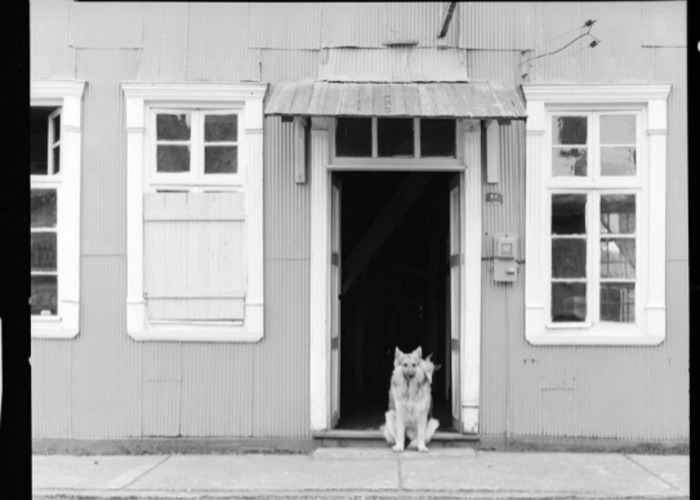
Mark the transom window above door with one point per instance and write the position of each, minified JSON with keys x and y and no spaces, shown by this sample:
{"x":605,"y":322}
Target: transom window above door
{"x":395,"y":138}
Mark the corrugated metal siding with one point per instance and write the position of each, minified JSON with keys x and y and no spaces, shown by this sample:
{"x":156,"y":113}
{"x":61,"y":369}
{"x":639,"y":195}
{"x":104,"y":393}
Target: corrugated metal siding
{"x":497,"y":25}
{"x":51,"y":363}
{"x":394,"y":65}
{"x":281,"y":361}
{"x":287,"y":26}
{"x":50,"y":55}
{"x":217,"y":41}
{"x":288,"y":65}
{"x":165,"y":42}
{"x":106,"y":368}
{"x":668,"y":24}
{"x":287,"y":204}
{"x":162,"y":389}
{"x":115,"y":25}
{"x":103,"y":220}
{"x":669,"y":65}
{"x":217,"y":389}
{"x":104,"y":385}
{"x":370,"y":24}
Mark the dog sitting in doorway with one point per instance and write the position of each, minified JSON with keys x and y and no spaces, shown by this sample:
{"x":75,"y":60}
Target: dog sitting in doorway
{"x":410,"y":402}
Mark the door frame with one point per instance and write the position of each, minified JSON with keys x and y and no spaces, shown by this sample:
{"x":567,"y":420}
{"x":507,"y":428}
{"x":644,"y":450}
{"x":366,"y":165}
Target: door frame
{"x":320,"y":274}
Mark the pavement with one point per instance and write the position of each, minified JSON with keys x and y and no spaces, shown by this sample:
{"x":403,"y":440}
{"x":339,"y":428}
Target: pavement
{"x":367,"y":473}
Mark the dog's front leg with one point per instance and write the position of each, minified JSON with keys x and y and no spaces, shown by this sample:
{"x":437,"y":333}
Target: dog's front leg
{"x":400,"y":429}
{"x":421,"y":429}
{"x":389,"y":427}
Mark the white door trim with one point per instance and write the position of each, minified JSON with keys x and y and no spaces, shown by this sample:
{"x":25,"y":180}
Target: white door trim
{"x":319,"y":303}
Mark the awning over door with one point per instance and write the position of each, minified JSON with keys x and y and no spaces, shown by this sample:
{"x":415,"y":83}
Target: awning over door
{"x":444,"y":99}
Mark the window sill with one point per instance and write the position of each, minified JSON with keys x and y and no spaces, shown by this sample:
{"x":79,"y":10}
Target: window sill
{"x":52,"y":329}
{"x":181,"y":332}
{"x":601,"y":334}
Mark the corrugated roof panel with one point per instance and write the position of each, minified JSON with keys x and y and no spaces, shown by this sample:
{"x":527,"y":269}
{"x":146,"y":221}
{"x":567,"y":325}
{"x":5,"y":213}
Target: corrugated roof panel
{"x":468,"y":100}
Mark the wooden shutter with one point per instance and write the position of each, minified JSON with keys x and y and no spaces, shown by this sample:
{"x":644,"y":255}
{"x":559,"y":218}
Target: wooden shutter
{"x":194,"y":256}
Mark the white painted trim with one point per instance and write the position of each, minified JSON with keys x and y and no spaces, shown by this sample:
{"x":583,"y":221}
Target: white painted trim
{"x":249,"y":97}
{"x":650,"y":328}
{"x":319,"y":303}
{"x":68,"y":95}
{"x":319,"y":275}
{"x":470,"y":369}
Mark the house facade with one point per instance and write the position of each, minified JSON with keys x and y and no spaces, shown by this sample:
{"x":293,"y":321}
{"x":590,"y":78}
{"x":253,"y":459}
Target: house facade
{"x":239,"y":211}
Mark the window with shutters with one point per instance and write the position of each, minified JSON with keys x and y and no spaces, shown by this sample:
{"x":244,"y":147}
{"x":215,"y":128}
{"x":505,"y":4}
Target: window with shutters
{"x":54,"y":172}
{"x":195,"y":212}
{"x":595,"y":214}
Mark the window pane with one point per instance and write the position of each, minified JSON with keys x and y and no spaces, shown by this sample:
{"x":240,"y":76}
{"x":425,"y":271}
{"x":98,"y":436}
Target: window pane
{"x":353,"y":137}
{"x":569,"y":214}
{"x":569,"y":258}
{"x":173,"y":127}
{"x":617,"y":214}
{"x":218,"y":128}
{"x":618,"y":160}
{"x":437,"y":137}
{"x":569,"y":162}
{"x":618,"y":258}
{"x":568,"y":302}
{"x":569,"y":130}
{"x":395,"y":137}
{"x":43,"y":208}
{"x":43,"y":251}
{"x":56,"y":159}
{"x":617,"y":302}
{"x":57,"y":128}
{"x":220,"y":159}
{"x":44,"y":298}
{"x":173,"y":158}
{"x":38,"y":140}
{"x":618,"y":129}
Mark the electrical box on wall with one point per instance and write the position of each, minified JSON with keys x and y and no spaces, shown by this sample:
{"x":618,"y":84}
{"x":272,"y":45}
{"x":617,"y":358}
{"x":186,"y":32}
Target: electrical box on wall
{"x":505,"y":268}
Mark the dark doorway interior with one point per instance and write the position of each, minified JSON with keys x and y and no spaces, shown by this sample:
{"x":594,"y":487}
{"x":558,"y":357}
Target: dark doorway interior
{"x":395,"y":229}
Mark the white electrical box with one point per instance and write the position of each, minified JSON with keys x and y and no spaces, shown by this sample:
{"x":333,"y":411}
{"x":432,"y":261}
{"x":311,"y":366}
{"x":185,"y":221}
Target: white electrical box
{"x":505,"y":267}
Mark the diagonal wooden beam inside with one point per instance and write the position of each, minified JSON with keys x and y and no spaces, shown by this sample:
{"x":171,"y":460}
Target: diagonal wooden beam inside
{"x":383,"y":226}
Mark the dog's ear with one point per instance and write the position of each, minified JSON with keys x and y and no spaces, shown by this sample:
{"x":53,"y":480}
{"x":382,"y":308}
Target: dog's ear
{"x":397,"y":354}
{"x":429,"y":356}
{"x":418,"y":352}
{"x":437,"y":367}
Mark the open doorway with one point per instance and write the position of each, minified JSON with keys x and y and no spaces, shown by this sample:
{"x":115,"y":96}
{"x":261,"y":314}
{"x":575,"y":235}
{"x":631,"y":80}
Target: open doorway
{"x":395,"y":291}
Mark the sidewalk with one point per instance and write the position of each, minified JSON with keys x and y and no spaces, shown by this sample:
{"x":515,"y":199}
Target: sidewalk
{"x":363,"y":473}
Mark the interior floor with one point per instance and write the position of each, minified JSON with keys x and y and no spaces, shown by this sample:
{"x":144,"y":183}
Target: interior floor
{"x":395,"y":265}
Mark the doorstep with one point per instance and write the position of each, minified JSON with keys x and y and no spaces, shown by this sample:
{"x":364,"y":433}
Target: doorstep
{"x":375,"y":438}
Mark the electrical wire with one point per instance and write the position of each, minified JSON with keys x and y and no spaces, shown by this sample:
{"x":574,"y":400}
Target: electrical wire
{"x":595,"y":41}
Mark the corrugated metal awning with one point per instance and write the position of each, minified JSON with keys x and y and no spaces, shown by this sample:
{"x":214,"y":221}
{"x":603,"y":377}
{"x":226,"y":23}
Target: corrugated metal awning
{"x":443,"y":99}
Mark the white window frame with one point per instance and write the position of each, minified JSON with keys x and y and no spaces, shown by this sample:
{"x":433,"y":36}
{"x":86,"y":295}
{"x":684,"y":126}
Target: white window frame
{"x":408,"y":163}
{"x":649,"y":102}
{"x":195,"y":180}
{"x":66,"y":95}
{"x":142,"y":101}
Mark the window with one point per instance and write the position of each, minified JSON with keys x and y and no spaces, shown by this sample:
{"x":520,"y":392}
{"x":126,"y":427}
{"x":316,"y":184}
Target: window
{"x":194,"y":212}
{"x":54,"y":172}
{"x":595,"y":218}
{"x":396,"y":139}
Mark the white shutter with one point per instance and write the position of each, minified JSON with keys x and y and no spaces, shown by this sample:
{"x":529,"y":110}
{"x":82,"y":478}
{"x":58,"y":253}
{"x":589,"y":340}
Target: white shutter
{"x":194,"y":256}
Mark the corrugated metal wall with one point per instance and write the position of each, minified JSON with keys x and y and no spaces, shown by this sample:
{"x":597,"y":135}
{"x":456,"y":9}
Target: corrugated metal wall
{"x":609,"y":392}
{"x":104,"y":385}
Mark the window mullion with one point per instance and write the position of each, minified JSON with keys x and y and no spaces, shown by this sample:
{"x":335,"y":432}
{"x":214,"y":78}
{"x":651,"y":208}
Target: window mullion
{"x":594,"y":257}
{"x":197,"y":145}
{"x":375,"y":135}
